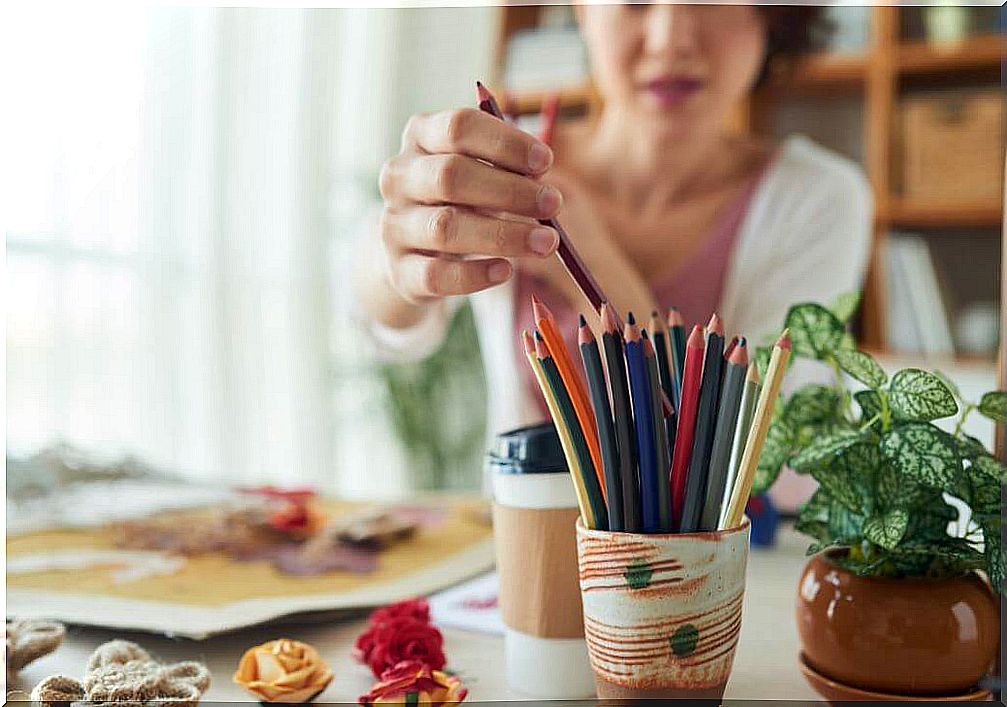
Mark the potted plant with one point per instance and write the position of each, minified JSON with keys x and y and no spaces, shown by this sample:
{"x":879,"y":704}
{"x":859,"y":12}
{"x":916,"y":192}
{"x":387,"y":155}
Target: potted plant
{"x":898,"y":598}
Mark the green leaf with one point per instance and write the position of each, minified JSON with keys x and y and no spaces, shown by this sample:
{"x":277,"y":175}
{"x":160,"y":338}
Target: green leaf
{"x":844,"y":525}
{"x":813,"y":517}
{"x":862,"y":367}
{"x":823,"y":449}
{"x":991,"y":468}
{"x":970,"y":447}
{"x":845,"y":477}
{"x":870,"y":404}
{"x":994,"y":555}
{"x":951,"y":385}
{"x":994,"y":405}
{"x":893,"y":490}
{"x":779,"y":442}
{"x":845,"y":306}
{"x":923,"y":453}
{"x":887,"y":530}
{"x":815,"y":331}
{"x":919,"y":395}
{"x":812,"y":403}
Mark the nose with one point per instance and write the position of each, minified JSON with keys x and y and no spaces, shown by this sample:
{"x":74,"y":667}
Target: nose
{"x":671,"y":29}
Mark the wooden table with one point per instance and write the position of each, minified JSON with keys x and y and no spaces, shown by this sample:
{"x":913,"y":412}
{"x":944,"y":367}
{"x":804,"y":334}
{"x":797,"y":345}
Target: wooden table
{"x":765,"y":667}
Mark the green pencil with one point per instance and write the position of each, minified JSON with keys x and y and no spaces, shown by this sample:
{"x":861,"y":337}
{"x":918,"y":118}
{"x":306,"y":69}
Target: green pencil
{"x":747,"y":411}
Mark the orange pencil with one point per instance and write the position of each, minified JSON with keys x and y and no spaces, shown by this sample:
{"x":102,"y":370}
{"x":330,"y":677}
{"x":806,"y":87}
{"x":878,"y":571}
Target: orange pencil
{"x":546,"y":323}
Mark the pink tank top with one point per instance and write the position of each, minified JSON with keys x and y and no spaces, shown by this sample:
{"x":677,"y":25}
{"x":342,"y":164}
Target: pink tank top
{"x":696,"y":289}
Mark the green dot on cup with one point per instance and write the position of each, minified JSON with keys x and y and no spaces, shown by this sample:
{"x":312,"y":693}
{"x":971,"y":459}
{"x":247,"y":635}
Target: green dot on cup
{"x":638,"y":574}
{"x":683,"y":641}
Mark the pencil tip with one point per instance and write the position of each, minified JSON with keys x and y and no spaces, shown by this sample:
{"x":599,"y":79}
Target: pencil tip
{"x":654,"y":313}
{"x":608,"y":321}
{"x":630,"y":319}
{"x":538,"y":336}
{"x":716,"y":324}
{"x":742,"y":341}
{"x":696,"y":337}
{"x":581,"y":321}
{"x":481,"y":90}
{"x":675,"y":318}
{"x":643,"y":334}
{"x":648,"y":348}
{"x":739,"y":357}
{"x":784,"y":342}
{"x":539,"y":310}
{"x":529,"y":343}
{"x":753,"y":374}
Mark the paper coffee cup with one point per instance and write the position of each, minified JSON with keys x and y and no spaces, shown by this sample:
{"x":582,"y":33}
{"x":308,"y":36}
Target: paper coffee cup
{"x":534,"y":512}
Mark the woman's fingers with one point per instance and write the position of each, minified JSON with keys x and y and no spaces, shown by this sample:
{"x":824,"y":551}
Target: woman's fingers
{"x":422,"y":277}
{"x":461,"y":231}
{"x":472,"y":132}
{"x":464,"y":181}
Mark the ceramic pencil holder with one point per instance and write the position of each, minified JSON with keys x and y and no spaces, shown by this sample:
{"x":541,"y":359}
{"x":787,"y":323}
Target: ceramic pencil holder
{"x":533,"y":515}
{"x":662,"y":613}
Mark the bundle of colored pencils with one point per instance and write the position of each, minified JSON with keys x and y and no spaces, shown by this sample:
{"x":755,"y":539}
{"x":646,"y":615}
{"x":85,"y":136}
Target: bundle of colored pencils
{"x":639,"y":462}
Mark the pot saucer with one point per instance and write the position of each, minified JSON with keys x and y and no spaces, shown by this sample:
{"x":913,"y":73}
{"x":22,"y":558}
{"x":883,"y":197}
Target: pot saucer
{"x":838,"y":692}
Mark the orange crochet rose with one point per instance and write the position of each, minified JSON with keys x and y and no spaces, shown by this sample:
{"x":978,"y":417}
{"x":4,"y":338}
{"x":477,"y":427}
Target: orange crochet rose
{"x":283,"y":671}
{"x":411,"y":682}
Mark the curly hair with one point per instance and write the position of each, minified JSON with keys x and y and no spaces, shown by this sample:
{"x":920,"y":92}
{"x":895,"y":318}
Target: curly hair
{"x":792,"y":30}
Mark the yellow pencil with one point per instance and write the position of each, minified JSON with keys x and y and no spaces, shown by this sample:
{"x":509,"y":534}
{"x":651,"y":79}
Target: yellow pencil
{"x":565,"y":438}
{"x":757,"y":434}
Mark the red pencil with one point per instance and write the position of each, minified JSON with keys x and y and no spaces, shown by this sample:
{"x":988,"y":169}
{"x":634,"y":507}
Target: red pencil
{"x":692,"y":375}
{"x":550,"y":109}
{"x":567,"y":253}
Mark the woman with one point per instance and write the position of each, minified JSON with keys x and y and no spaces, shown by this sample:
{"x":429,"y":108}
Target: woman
{"x":665,"y":205}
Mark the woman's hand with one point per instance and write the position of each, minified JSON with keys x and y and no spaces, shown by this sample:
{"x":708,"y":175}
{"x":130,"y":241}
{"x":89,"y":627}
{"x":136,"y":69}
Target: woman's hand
{"x":461,"y":196}
{"x":619,"y":278}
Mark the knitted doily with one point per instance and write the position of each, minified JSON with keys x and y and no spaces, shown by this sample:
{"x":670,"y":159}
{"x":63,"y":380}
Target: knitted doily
{"x":123,"y":673}
{"x":28,"y":640}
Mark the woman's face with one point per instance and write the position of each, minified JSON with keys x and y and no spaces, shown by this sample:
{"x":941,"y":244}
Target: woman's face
{"x":680,"y":67}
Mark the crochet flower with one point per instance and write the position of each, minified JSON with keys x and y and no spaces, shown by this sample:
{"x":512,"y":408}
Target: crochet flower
{"x":400,"y":638}
{"x":283,"y":671}
{"x":411,"y":682}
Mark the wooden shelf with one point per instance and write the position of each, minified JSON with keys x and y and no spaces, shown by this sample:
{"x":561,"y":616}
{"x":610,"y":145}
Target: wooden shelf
{"x":828,"y":69}
{"x":525,"y":102}
{"x":927,"y":214}
{"x":980,"y":52}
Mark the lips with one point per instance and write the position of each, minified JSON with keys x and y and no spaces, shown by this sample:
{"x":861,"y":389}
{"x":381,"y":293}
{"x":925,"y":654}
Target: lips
{"x":674,"y":91}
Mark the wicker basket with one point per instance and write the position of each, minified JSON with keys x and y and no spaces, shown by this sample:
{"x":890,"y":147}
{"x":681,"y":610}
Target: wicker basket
{"x":953,"y":146}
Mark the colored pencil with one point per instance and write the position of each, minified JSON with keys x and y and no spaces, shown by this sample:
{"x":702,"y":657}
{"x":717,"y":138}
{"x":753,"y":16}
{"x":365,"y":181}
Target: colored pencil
{"x":760,"y":427}
{"x":706,"y":419}
{"x":603,"y":418}
{"x":676,"y":338}
{"x":571,"y":379}
{"x":748,"y":399}
{"x":729,"y":349}
{"x":662,"y":454}
{"x":727,"y":421}
{"x":639,"y":386}
{"x":567,"y":412}
{"x":563,"y":430}
{"x":662,"y":347}
{"x":615,"y":361}
{"x":692,"y":374}
{"x":550,"y":109}
{"x":568,"y":255}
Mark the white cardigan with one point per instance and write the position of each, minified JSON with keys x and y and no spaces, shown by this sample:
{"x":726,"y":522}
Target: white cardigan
{"x":806,"y":237}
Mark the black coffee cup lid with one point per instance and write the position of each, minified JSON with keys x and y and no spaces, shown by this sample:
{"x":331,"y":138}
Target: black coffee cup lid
{"x":534,"y":449}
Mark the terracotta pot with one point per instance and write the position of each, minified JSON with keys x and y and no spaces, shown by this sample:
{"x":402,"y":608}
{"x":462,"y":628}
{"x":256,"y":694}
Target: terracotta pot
{"x":662,"y":612}
{"x":905,"y":636}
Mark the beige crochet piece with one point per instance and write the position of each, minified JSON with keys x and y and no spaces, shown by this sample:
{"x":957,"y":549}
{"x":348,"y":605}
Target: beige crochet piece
{"x":29,"y":640}
{"x":123,"y":673}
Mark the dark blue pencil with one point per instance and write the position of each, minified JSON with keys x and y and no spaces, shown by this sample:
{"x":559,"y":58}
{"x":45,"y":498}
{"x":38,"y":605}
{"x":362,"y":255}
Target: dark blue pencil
{"x":643,"y":417}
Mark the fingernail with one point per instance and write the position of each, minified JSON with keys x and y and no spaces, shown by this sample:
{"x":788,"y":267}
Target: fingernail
{"x":499,"y":271}
{"x":539,"y":157}
{"x":542,"y":240}
{"x":549,"y":200}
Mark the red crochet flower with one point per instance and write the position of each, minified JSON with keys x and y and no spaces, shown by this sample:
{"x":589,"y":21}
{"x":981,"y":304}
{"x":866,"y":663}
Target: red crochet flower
{"x":400,"y":638}
{"x":418,"y":608}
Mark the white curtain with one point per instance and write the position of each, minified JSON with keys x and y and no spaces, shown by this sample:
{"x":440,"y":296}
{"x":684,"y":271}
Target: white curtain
{"x":183,"y":187}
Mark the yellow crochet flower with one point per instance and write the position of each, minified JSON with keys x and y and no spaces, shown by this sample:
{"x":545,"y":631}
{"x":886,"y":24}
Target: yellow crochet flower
{"x":283,"y":671}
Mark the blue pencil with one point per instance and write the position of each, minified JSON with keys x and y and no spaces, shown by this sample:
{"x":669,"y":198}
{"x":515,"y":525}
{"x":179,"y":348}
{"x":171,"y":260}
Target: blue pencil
{"x":643,"y":418}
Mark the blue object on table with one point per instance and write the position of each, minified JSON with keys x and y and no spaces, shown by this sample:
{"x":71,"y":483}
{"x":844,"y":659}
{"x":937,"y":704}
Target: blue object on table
{"x":765,"y":518}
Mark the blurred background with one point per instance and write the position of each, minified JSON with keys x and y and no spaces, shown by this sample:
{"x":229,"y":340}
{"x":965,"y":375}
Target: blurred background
{"x":185,"y":186}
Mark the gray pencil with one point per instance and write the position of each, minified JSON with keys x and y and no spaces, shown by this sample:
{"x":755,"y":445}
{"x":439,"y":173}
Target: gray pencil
{"x":748,"y":400}
{"x":660,"y":439}
{"x":727,"y":419}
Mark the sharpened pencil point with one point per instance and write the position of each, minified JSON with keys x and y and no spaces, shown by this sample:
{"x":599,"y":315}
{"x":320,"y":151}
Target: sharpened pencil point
{"x":753,"y":374}
{"x":581,"y":322}
{"x":529,"y":343}
{"x":584,"y":333}
{"x":784,"y":342}
{"x":675,"y":318}
{"x":539,"y":310}
{"x":541,"y":350}
{"x":608,"y":321}
{"x":696,"y":339}
{"x":648,"y":348}
{"x":739,"y":357}
{"x":716,"y":325}
{"x":484,"y":94}
{"x":630,"y":319}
